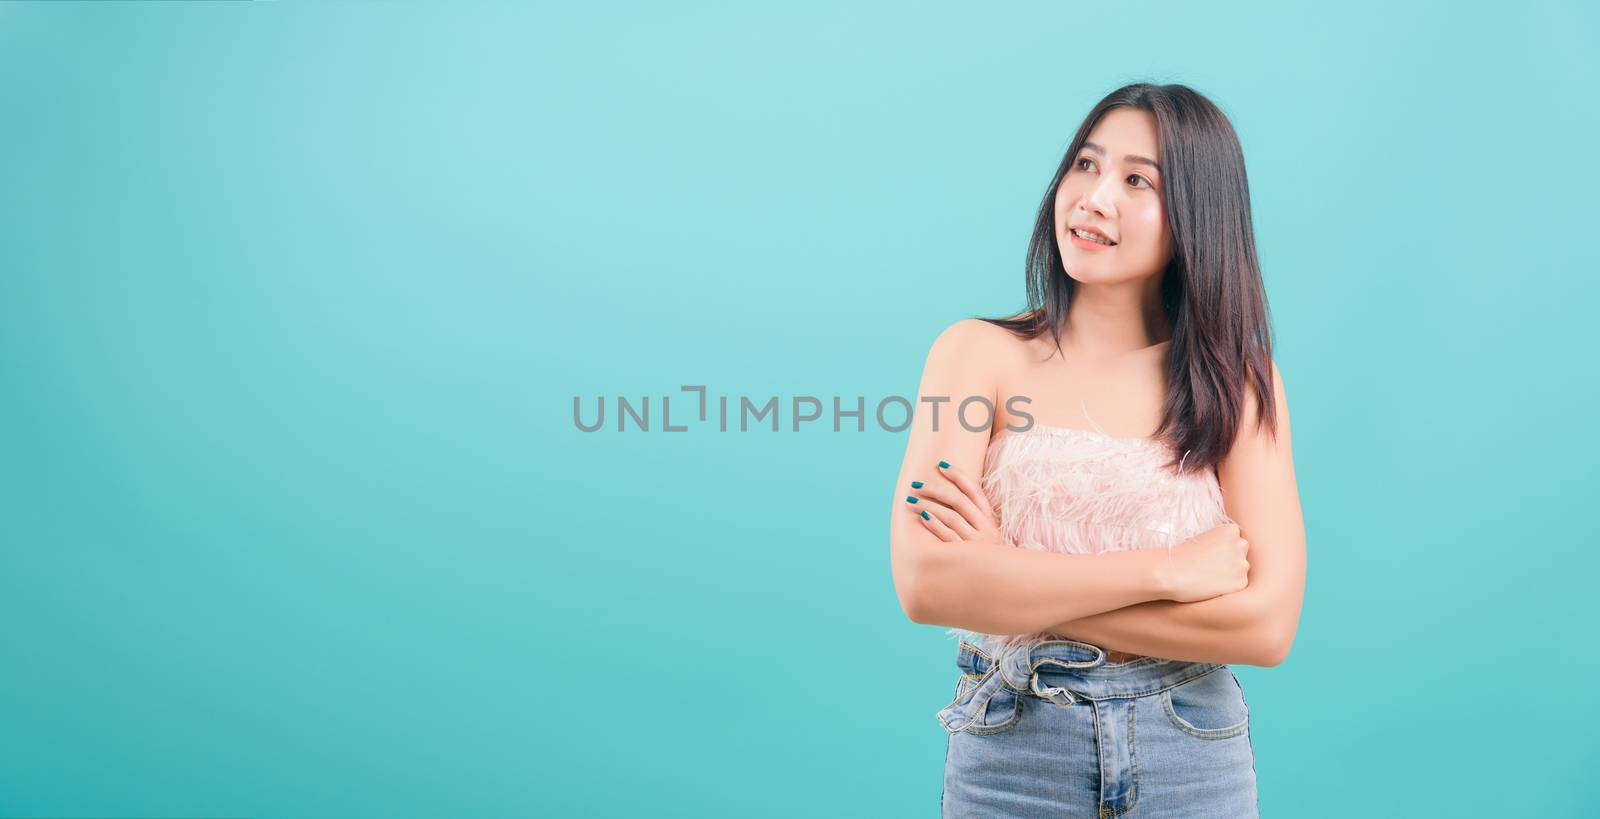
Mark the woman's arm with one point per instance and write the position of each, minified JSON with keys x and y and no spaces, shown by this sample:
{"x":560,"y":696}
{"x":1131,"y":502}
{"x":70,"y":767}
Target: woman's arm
{"x":1224,"y":629}
{"x":989,"y":587}
{"x":999,"y":589}
{"x":1254,"y":626}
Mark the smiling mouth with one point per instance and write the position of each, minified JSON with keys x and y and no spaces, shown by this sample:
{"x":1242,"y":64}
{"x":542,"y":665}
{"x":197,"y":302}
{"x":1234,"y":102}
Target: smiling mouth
{"x":1092,"y":237}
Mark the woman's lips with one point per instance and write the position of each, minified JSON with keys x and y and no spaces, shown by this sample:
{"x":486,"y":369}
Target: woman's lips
{"x":1088,"y":245}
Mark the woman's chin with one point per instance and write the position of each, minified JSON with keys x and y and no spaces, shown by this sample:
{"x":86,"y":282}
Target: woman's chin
{"x":1086,"y":274}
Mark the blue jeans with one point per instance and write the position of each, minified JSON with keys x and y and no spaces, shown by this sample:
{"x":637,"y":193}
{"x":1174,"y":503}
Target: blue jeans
{"x":1054,"y":730}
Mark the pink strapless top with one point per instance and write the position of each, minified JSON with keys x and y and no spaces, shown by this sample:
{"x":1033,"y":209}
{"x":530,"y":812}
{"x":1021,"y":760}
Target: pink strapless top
{"x":1075,"y":491}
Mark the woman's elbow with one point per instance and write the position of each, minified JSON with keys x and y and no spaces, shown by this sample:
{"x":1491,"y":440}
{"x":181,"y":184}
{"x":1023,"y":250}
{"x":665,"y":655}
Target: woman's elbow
{"x":905,"y":588}
{"x":1273,"y":643}
{"x":915,"y":610}
{"x":912,"y":571}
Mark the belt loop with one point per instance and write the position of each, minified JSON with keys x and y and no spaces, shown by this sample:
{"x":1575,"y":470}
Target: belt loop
{"x":1100,"y":656}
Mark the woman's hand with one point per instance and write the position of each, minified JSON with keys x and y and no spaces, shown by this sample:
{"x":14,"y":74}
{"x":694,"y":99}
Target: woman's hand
{"x":1212,"y":563}
{"x":952,"y":505}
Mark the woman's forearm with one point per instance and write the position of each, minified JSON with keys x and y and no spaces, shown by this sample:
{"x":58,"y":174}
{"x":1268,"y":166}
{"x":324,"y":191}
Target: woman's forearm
{"x":1228,"y":628}
{"x":999,"y":589}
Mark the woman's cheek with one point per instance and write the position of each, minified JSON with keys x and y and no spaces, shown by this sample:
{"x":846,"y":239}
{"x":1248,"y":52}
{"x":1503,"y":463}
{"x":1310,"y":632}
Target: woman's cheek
{"x":1149,"y":219}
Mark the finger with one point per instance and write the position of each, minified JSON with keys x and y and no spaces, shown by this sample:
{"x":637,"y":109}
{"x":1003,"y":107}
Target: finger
{"x":949,"y":517}
{"x":951,"y":496}
{"x":937,"y":526}
{"x":971,"y":487}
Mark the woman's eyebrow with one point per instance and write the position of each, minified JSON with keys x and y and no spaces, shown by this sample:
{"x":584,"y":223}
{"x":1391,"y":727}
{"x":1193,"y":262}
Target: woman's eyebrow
{"x":1131,"y":158}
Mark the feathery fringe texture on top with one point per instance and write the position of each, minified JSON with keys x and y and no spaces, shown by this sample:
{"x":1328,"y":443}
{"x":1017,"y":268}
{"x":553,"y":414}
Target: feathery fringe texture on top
{"x":1073,"y":491}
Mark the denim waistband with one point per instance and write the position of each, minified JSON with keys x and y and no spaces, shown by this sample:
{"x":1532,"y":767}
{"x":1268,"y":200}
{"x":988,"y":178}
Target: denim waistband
{"x":1061,"y":671}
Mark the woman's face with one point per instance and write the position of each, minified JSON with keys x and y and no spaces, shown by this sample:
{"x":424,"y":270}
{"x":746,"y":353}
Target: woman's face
{"x":1110,"y":188}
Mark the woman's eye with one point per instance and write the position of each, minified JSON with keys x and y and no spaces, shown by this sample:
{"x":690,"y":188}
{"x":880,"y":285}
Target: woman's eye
{"x":1082,"y":161}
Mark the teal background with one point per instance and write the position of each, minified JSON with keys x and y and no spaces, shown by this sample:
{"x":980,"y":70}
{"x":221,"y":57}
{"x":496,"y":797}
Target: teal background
{"x":296,"y":299}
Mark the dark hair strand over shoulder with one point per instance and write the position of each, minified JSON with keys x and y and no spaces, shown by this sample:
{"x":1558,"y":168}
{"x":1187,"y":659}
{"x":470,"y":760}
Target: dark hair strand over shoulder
{"x":1211,"y":289}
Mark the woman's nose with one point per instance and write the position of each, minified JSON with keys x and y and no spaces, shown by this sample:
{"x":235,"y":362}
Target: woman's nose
{"x":1102,"y":197}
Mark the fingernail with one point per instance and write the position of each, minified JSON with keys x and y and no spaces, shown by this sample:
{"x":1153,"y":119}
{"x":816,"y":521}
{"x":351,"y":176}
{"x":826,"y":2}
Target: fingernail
{"x":916,"y":484}
{"x":943,"y":465}
{"x":910,"y":499}
{"x":925,"y":515}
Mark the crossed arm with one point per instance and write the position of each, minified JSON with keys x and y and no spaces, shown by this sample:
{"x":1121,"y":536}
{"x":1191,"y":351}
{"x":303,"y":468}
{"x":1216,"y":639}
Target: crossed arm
{"x":1256,"y":625}
{"x":1238,"y":629}
{"x":1107,"y":599}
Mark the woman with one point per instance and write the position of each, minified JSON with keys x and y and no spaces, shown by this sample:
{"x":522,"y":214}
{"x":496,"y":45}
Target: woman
{"x":1103,"y":575}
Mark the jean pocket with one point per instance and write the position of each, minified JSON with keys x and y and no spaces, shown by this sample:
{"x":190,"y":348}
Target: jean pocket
{"x":983,"y":704}
{"x":1211,"y":706}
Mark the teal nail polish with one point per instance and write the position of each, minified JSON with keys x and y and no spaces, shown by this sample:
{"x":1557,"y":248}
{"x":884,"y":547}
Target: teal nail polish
{"x":943,"y":465}
{"x":916,"y":484}
{"x":925,"y":515}
{"x":910,"y":499}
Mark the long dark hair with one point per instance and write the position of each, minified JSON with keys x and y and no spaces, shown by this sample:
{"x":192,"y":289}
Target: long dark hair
{"x":1211,"y":290}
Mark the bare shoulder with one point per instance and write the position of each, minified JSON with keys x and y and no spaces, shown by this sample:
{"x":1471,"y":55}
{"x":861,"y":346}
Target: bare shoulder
{"x":978,"y":342}
{"x":971,"y":357}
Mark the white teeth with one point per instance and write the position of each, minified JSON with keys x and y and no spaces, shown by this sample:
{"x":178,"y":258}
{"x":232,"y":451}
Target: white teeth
{"x":1089,"y":236}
